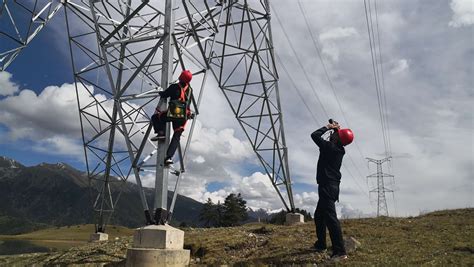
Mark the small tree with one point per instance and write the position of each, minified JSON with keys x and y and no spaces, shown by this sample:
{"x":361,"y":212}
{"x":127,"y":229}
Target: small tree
{"x":220,"y":211}
{"x":235,"y":210}
{"x":278,"y":218}
{"x":209,"y":214}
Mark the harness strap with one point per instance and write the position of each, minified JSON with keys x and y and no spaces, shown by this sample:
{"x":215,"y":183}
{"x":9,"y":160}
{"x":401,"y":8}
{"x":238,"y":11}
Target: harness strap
{"x":182,"y":96}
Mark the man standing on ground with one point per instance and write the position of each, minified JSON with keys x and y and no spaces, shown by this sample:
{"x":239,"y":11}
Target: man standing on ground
{"x":328,"y":178}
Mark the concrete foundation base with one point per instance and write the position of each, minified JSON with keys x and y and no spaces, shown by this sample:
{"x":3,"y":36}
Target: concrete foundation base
{"x":98,"y":237}
{"x":158,"y":245}
{"x":158,"y":236}
{"x":294,"y":218}
{"x":146,"y":257}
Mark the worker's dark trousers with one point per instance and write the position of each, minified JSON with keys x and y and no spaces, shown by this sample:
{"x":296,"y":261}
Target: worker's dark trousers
{"x":159,"y":121}
{"x":325,"y":216}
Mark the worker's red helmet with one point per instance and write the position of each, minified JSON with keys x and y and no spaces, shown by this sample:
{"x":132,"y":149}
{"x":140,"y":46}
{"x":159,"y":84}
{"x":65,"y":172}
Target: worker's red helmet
{"x":346,"y":136}
{"x":185,"y":76}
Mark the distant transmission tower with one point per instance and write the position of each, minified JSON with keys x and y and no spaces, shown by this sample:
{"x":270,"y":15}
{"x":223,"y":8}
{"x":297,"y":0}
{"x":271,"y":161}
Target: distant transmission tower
{"x":382,"y":209}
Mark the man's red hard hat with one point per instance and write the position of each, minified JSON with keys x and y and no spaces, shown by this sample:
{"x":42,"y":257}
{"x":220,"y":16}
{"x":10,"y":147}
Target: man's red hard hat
{"x":346,"y":136}
{"x":185,"y":76}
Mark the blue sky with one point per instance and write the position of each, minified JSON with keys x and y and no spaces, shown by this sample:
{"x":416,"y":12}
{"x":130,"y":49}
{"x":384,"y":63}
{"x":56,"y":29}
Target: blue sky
{"x":428,"y":52}
{"x":37,"y":67}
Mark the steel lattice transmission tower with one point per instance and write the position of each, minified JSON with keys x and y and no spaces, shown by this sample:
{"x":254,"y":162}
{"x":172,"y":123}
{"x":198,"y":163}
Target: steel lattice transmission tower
{"x":125,"y":51}
{"x":382,"y":209}
{"x":130,"y":50}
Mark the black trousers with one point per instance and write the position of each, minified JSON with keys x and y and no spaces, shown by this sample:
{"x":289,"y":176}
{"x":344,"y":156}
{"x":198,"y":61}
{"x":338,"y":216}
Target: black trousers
{"x":325,"y":216}
{"x":159,"y":121}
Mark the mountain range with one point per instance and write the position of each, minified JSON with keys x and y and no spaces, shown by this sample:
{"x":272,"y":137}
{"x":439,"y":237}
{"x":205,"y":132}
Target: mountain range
{"x":57,"y":194}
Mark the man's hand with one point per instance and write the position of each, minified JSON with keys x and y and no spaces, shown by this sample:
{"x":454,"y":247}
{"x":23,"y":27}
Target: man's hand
{"x":334,"y":125}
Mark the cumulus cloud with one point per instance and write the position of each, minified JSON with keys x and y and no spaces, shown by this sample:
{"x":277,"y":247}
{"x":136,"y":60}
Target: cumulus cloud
{"x":219,"y":143}
{"x":53,"y":111}
{"x":463,"y":13}
{"x":306,"y":201}
{"x":256,"y":189}
{"x":49,"y":119}
{"x":399,"y":66}
{"x":199,"y":159}
{"x":346,"y":211}
{"x":7,"y":86}
{"x":330,"y":39}
{"x":337,"y":33}
{"x":59,"y":145}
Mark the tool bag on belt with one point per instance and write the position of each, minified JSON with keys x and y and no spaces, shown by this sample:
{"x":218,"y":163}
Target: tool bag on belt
{"x":178,"y":108}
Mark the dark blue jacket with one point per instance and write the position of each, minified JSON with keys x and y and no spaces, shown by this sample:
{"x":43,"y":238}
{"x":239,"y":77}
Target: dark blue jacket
{"x":330,"y":159}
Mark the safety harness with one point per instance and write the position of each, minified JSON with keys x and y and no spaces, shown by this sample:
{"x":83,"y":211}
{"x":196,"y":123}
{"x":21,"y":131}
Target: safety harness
{"x":178,"y":109}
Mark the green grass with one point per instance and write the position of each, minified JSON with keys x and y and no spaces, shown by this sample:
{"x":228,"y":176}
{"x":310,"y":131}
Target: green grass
{"x":444,"y":238}
{"x":60,"y":238}
{"x":439,"y":238}
{"x":74,"y":233}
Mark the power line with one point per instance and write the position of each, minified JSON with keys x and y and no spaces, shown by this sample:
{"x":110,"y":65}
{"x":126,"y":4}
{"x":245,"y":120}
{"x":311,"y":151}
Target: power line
{"x":299,"y":62}
{"x":357,"y":183}
{"x":375,"y":71}
{"x":383,"y":81}
{"x":297,"y":90}
{"x":318,"y":50}
{"x":302,"y":98}
{"x":380,"y":80}
{"x":285,"y":70}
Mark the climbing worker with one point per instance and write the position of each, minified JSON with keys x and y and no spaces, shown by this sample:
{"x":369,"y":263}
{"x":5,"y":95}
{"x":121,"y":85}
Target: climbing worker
{"x":178,"y":113}
{"x":328,"y":177}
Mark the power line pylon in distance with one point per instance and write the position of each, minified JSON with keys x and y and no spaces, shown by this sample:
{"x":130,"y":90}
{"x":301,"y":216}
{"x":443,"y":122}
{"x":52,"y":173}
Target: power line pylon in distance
{"x":382,"y":209}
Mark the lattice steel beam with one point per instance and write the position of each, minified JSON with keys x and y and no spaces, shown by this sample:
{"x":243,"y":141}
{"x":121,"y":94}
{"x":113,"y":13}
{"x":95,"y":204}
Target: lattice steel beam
{"x":117,"y":61}
{"x":20,"y":22}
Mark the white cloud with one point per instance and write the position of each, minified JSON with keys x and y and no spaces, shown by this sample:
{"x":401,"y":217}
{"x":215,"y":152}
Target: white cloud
{"x":60,"y":145}
{"x":463,"y":13}
{"x":337,"y":33}
{"x":7,"y":87}
{"x":147,"y":179}
{"x":306,"y":201}
{"x":219,"y":143}
{"x":332,"y":37}
{"x":346,"y":210}
{"x":50,"y":119}
{"x":256,"y":189}
{"x":399,"y":66}
{"x":199,"y":159}
{"x":53,"y":111}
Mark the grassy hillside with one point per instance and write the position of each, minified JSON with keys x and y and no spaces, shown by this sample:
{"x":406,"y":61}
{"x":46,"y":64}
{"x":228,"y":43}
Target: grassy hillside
{"x":12,"y":225}
{"x":60,"y":238}
{"x":76,"y":233}
{"x":439,"y":238}
{"x":59,"y":195}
